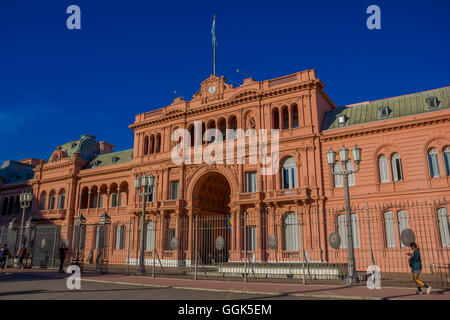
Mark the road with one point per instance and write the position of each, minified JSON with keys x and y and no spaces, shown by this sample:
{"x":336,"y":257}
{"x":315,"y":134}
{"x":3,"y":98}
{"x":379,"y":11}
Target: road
{"x":16,"y":286}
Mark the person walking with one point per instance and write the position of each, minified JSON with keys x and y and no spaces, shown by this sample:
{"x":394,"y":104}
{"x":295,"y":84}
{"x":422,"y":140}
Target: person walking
{"x":415,"y":263}
{"x":21,"y":255}
{"x":5,"y":255}
{"x":62,"y":257}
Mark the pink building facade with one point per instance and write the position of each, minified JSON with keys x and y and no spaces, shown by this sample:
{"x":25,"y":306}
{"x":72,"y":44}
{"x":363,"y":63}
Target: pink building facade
{"x":405,"y":144}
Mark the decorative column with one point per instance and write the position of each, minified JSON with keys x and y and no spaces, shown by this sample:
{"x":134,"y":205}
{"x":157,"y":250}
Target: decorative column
{"x":190,"y":254}
{"x":89,"y":200}
{"x":238,"y":224}
{"x":259,"y":233}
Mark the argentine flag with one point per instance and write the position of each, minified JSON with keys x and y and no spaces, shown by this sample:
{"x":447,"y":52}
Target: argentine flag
{"x":213,"y":32}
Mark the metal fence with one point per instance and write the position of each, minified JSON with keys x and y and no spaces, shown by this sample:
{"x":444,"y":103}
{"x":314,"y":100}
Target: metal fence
{"x":271,"y":245}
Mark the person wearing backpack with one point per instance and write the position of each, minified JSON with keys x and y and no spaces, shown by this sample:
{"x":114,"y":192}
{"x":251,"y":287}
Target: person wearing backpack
{"x":415,"y":263}
{"x":21,"y":255}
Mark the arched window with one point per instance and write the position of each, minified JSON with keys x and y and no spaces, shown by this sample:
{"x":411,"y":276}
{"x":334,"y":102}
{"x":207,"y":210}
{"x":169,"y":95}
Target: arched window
{"x":232,"y":126}
{"x":211,"y":136}
{"x":402,"y":218}
{"x":100,"y":200}
{"x":94,"y":197}
{"x":390,"y":229}
{"x":291,"y":238}
{"x":158,"y":143}
{"x":114,"y":200}
{"x":294,"y":116}
{"x":191,"y":133}
{"x":285,"y":113}
{"x":288,"y":174}
{"x":152,"y":144}
{"x":43,"y":201}
{"x":51,"y":203}
{"x":444,"y":227}
{"x":152,"y":195}
{"x":145,"y":145}
{"x":61,"y":199}
{"x":383,"y":168}
{"x":447,"y":160}
{"x":396,"y":164}
{"x":342,"y":229}
{"x":203,"y":133}
{"x":276,"y":119}
{"x":223,"y":128}
{"x":150,"y":234}
{"x":434,"y":163}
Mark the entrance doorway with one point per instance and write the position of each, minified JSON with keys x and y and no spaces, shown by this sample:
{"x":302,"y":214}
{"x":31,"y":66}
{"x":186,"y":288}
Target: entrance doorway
{"x":211,"y":198}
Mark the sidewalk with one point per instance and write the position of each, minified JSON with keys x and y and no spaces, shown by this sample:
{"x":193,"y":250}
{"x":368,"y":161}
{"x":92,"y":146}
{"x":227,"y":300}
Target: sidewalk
{"x":267,"y":289}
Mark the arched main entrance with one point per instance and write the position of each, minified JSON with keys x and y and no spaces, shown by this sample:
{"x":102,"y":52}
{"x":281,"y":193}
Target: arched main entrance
{"x":211,"y":200}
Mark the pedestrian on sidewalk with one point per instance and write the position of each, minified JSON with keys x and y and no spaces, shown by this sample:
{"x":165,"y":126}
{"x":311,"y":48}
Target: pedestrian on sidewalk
{"x":62,"y":257}
{"x":5,"y":255}
{"x":21,"y":255}
{"x":416,"y":268}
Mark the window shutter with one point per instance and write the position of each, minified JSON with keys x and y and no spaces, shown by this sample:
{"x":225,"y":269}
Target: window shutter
{"x":355,"y":230}
{"x":444,"y":226}
{"x":390,"y":230}
{"x":402,"y":223}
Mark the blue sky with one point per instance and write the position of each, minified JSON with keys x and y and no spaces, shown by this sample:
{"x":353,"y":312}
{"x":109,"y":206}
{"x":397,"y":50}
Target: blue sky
{"x":129,"y":57}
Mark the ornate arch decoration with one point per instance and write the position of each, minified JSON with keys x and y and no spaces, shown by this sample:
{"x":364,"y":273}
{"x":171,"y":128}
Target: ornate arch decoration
{"x":438,"y":143}
{"x":202,"y":172}
{"x":58,"y":154}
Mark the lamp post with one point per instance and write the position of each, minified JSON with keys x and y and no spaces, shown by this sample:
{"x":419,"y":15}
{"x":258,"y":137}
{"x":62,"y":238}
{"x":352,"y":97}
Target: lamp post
{"x":80,"y":224}
{"x":25,"y":201}
{"x":145,"y":184}
{"x":345,"y":172}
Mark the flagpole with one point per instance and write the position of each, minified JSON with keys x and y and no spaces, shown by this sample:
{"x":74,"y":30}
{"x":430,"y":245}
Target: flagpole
{"x":214,"y":46}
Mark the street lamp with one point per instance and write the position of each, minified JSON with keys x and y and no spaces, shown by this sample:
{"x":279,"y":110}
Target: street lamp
{"x":144,"y":183}
{"x":80,"y":225}
{"x":25,"y":201}
{"x":345,"y":172}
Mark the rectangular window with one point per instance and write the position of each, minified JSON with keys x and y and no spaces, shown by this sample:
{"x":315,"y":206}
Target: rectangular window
{"x":174,"y":190}
{"x":342,"y":229}
{"x":152,"y":195}
{"x":122,"y":237}
{"x":435,"y":171}
{"x":100,"y":201}
{"x":150,"y":234}
{"x":338,"y":181}
{"x":251,"y":238}
{"x":250,"y":181}
{"x":170,"y":235}
{"x":444,"y":227}
{"x":351,"y":177}
{"x":118,"y":237}
{"x":390,"y":229}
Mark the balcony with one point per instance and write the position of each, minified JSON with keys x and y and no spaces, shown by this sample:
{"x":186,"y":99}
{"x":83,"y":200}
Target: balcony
{"x":149,"y":205}
{"x":54,"y":214}
{"x":250,"y":197}
{"x":287,"y":195}
{"x":171,"y":204}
